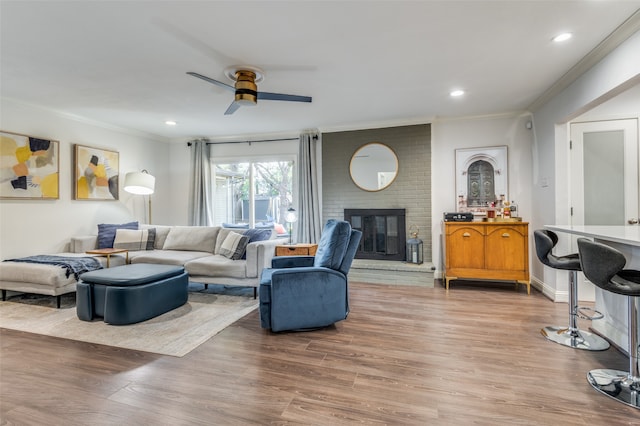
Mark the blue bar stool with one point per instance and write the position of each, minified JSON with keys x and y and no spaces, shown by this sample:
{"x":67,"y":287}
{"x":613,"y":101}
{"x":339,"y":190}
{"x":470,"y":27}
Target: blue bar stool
{"x":572,"y":336}
{"x":603,"y":266}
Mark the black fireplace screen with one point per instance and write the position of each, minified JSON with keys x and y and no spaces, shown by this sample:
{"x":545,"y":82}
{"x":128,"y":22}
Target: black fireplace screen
{"x":383,"y":232}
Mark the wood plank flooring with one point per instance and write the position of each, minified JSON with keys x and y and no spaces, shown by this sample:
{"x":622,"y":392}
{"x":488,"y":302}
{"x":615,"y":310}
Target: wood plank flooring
{"x":405,"y":356}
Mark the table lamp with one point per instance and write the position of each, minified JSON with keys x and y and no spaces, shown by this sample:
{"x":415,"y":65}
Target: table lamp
{"x":291,"y":217}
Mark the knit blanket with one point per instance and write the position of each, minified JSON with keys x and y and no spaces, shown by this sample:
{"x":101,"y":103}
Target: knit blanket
{"x":73,"y":265}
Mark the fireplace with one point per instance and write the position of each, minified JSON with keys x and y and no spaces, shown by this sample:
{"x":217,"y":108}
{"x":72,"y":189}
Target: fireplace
{"x":383,"y":232}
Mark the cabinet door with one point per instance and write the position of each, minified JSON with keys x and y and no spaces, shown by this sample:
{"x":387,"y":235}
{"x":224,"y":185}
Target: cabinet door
{"x":465,"y":247}
{"x":506,"y":248}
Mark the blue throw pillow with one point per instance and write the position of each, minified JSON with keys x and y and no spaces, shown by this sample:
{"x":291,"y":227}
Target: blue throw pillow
{"x":333,"y":244}
{"x":256,"y":235}
{"x":107,"y":232}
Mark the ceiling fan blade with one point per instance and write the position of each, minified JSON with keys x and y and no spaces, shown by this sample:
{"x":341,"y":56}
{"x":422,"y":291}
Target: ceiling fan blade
{"x":283,"y":97}
{"x":212,"y":81}
{"x":232,"y":108}
{"x":194,"y":43}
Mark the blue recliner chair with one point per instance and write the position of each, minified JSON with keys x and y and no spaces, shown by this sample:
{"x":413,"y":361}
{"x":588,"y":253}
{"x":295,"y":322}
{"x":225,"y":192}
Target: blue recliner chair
{"x":310,"y":292}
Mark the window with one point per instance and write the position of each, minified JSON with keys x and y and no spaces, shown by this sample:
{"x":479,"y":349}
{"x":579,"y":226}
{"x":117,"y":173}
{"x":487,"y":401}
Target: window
{"x":252,"y":192}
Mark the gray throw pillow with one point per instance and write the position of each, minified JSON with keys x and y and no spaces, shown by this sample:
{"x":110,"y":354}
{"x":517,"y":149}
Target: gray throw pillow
{"x":234,"y":245}
{"x":135,"y":239}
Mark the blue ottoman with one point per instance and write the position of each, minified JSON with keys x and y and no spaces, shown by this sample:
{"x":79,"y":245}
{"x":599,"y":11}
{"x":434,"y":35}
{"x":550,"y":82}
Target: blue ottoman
{"x":130,"y":293}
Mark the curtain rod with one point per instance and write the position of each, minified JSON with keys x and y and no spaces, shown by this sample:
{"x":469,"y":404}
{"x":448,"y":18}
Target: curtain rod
{"x":256,"y":141}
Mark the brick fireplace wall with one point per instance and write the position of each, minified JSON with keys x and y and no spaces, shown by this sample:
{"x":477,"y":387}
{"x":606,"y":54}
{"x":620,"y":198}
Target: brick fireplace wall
{"x":411,"y":190}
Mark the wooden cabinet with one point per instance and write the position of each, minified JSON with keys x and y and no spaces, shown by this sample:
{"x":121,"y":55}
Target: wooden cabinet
{"x":487,"y":251}
{"x":297,"y":250}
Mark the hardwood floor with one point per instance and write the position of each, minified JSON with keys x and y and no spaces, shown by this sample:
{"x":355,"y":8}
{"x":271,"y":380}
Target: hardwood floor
{"x":406,"y":355}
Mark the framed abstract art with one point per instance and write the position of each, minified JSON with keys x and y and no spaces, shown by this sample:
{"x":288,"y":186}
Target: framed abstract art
{"x":29,"y":167}
{"x":96,"y":173}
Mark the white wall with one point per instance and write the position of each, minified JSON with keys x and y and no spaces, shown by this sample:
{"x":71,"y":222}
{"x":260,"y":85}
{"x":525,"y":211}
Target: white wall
{"x":550,"y":191}
{"x":29,"y":227}
{"x":449,"y":135}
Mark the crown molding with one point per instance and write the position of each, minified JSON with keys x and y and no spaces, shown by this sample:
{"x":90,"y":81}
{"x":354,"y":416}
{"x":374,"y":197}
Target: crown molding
{"x":606,"y":46}
{"x":91,"y":122}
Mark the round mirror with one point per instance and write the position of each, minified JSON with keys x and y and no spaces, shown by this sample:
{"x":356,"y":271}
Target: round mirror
{"x":373,"y":167}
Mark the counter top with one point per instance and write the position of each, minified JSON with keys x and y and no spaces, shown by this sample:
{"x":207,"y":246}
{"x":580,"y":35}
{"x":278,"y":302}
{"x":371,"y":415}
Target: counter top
{"x":624,"y":234}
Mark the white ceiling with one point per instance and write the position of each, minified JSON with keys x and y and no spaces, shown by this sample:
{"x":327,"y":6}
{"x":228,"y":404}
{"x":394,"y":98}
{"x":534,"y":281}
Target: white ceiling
{"x":364,"y":63}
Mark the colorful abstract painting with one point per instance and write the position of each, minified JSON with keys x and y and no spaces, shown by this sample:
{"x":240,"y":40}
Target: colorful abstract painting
{"x":96,"y":173}
{"x":29,"y":167}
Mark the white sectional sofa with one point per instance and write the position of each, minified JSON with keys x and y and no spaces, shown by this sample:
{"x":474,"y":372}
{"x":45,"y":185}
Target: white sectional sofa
{"x":201,"y":250}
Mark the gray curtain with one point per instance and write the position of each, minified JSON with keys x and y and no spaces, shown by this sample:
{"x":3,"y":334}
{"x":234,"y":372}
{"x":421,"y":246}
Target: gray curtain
{"x":201,"y":208}
{"x":310,"y":214}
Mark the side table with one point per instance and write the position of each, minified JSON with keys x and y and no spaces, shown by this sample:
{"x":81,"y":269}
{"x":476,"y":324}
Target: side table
{"x":296,"y":250}
{"x":108,"y":252}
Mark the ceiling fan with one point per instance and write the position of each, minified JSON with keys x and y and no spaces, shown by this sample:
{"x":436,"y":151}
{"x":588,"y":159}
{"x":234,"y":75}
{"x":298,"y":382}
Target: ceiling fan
{"x":245,"y":88}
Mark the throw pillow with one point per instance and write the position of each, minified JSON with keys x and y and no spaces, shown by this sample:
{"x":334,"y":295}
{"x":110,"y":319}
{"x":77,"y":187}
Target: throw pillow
{"x":256,"y":235}
{"x":280,"y":229}
{"x":161,"y":234}
{"x":107,"y":232}
{"x":234,"y":245}
{"x":130,"y":239}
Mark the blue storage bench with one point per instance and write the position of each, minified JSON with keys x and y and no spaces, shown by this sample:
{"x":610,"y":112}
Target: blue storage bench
{"x":131,"y":293}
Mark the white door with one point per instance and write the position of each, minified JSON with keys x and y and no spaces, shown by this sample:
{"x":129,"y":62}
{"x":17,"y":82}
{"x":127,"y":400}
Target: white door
{"x":604,"y":177}
{"x":604,"y":172}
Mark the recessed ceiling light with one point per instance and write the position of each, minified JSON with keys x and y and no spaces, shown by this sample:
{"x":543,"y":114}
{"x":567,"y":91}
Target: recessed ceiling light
{"x":170,"y":123}
{"x":562,"y":37}
{"x":456,"y":93}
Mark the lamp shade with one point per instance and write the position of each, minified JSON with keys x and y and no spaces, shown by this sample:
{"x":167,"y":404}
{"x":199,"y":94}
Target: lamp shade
{"x":291,"y":215}
{"x":141,"y":183}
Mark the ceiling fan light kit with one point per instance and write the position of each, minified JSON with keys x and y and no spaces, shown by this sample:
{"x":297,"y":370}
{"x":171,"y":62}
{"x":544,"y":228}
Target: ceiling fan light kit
{"x":245,"y":88}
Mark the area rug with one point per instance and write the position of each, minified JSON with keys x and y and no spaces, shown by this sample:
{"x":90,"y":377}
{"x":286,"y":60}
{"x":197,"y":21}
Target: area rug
{"x":174,"y":333}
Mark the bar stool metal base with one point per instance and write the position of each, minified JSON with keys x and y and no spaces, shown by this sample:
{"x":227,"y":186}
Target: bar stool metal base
{"x":616,"y":384}
{"x":576,"y":339}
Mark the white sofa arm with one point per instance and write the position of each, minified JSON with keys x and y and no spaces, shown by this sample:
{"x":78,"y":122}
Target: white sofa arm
{"x":83,"y":243}
{"x":259,"y":255}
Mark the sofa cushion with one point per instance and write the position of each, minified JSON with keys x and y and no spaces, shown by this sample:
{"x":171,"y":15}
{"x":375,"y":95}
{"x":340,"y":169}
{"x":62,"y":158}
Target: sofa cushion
{"x":333,"y":244}
{"x":167,"y":257}
{"x":234,"y":246}
{"x":216,"y":266}
{"x":107,"y":232}
{"x":35,"y":273}
{"x":135,"y":239}
{"x":257,"y":235}
{"x":192,"y":238}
